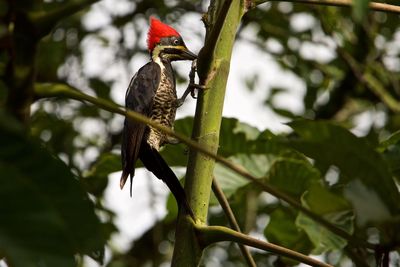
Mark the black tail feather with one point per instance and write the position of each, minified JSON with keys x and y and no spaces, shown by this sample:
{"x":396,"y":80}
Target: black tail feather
{"x":153,"y":161}
{"x":127,"y":171}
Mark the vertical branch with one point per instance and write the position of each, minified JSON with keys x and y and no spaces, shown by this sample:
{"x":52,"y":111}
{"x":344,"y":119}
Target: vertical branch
{"x":20,"y":70}
{"x":214,"y":63}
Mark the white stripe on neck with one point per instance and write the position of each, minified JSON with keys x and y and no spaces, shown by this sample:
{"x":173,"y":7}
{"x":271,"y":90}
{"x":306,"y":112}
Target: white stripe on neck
{"x":156,"y":58}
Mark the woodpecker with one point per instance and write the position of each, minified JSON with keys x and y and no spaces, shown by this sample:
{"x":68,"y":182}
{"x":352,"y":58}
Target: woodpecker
{"x":152,"y":92}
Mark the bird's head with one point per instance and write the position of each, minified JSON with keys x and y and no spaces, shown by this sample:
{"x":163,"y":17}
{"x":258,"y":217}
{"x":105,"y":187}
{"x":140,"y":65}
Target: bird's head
{"x":165,"y":42}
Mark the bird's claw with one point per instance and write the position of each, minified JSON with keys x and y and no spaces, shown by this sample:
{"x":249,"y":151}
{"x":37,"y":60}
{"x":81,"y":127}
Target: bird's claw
{"x":192,"y":85}
{"x":179,"y":101}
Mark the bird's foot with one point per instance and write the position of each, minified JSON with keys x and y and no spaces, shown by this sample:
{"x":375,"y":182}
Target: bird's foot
{"x":192,"y":85}
{"x":179,"y":102}
{"x":190,"y":89}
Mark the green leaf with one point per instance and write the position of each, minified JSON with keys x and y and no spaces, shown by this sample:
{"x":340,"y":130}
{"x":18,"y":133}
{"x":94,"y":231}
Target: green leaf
{"x":322,"y":201}
{"x":96,"y":179}
{"x":323,"y":239}
{"x":360,"y":9}
{"x":283,"y":231}
{"x":176,"y":155}
{"x":390,"y":141}
{"x":230,"y":181}
{"x":284,"y":112}
{"x":244,"y":203}
{"x":392,"y":157}
{"x":57,"y":129}
{"x":390,"y":150}
{"x":333,"y":208}
{"x":249,"y":131}
{"x":107,"y":163}
{"x":50,"y":56}
{"x":235,"y":138}
{"x":46,"y":215}
{"x":292,"y":176}
{"x":334,"y":145}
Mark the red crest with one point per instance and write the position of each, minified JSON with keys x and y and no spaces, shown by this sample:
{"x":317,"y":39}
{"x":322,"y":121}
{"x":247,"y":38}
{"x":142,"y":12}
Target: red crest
{"x":157,"y":31}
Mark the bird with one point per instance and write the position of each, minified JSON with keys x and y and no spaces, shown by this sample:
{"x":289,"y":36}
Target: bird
{"x":152,"y":92}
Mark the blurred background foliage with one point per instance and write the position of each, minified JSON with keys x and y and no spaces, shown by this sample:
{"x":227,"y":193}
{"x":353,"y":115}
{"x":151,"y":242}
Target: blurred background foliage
{"x":341,"y":159}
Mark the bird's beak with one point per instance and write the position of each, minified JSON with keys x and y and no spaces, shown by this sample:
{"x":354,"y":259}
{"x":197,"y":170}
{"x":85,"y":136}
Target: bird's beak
{"x":186,"y":54}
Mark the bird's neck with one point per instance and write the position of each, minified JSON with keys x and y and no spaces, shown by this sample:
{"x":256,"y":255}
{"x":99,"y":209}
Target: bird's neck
{"x":163,"y":62}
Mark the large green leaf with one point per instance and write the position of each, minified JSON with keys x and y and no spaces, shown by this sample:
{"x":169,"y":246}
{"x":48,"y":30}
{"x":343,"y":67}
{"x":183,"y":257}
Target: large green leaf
{"x":230,"y":181}
{"x":50,"y":55}
{"x":390,"y":149}
{"x":46,"y":217}
{"x":176,"y":155}
{"x":235,"y":137}
{"x":96,"y":179}
{"x":334,"y":145}
{"x":392,"y":140}
{"x":292,"y":176}
{"x":333,"y":208}
{"x":282,"y":230}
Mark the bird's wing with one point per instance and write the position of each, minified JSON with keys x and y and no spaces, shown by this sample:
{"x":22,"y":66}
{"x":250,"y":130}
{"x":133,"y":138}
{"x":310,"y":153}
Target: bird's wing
{"x":139,"y":97}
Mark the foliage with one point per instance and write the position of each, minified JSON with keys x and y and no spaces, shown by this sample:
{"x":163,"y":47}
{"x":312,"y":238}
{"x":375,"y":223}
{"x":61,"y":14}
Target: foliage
{"x":54,"y":167}
{"x":41,"y":203}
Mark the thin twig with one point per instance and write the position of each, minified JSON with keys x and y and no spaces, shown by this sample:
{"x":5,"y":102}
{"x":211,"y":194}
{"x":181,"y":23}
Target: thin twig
{"x":341,"y":3}
{"x":232,"y":220}
{"x":368,"y":80}
{"x":213,"y":234}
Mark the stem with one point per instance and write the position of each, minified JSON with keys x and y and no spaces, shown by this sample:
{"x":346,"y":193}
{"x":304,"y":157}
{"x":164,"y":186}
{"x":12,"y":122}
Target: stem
{"x":341,"y":3}
{"x":213,"y":234}
{"x":223,"y":19}
{"x":207,"y":52}
{"x":378,"y":89}
{"x":370,"y":82}
{"x":51,"y":90}
{"x":232,"y":220}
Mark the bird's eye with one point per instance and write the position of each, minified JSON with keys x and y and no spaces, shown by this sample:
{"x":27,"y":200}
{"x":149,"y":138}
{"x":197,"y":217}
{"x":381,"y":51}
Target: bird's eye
{"x":176,"y":42}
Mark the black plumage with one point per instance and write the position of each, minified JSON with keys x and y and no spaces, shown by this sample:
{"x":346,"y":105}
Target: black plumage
{"x":139,"y":97}
{"x":152,"y":93}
